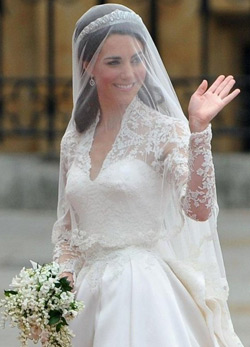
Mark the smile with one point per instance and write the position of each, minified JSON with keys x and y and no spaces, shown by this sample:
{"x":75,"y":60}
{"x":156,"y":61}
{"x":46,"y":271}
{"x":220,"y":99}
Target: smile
{"x":125,"y":86}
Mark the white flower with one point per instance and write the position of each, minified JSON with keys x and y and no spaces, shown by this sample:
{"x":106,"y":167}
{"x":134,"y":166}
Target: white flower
{"x":29,"y":303}
{"x":64,"y":296}
{"x":16,"y":282}
{"x":35,"y":265}
{"x":43,"y":278}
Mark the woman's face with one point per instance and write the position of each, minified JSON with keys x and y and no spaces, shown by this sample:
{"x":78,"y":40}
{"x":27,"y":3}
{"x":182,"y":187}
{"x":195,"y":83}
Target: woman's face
{"x":119,"y":70}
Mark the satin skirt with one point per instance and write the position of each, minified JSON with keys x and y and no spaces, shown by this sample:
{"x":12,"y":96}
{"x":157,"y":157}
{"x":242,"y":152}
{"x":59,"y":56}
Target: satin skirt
{"x":145,"y":305}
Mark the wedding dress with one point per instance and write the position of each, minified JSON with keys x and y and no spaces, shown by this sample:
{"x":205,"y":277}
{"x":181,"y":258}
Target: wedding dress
{"x":147,"y":265}
{"x":135,"y":294}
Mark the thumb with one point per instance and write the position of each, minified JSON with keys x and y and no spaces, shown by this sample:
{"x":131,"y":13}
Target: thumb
{"x":202,"y":88}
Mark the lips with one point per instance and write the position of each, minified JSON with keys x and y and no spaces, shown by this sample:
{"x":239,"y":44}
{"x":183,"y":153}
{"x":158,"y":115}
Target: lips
{"x":125,"y":86}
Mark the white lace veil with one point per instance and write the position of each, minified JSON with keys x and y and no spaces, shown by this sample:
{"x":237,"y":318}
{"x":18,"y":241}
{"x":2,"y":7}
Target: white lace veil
{"x":192,"y":248}
{"x":92,"y":29}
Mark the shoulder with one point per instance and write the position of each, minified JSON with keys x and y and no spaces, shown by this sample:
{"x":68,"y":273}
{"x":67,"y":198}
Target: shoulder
{"x":68,"y":146}
{"x":70,"y":140}
{"x":161,"y":123}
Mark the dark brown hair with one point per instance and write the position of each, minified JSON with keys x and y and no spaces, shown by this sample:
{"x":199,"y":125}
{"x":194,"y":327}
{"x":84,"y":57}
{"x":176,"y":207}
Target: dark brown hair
{"x":87,"y":104}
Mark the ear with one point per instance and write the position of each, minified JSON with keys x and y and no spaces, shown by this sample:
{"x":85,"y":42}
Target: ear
{"x":88,"y":69}
{"x":85,"y":65}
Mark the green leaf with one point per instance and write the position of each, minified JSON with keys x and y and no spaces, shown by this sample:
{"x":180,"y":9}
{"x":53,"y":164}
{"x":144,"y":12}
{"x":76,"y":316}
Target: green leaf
{"x":54,"y":320}
{"x":58,"y":327}
{"x":55,"y":313}
{"x":10,"y":292}
{"x":55,"y":316}
{"x":65,"y":284}
{"x":64,"y":322}
{"x":72,"y":305}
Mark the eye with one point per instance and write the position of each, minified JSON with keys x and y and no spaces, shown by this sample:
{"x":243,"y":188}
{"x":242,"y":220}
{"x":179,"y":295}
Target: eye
{"x":114,"y":62}
{"x":137,"y":59}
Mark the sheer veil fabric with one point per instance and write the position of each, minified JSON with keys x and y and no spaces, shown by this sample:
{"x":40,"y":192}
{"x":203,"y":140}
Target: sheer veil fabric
{"x":141,"y":205}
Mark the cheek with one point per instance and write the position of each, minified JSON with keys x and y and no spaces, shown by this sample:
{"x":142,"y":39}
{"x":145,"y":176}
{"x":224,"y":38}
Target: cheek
{"x":106,"y":76}
{"x":141,"y":73}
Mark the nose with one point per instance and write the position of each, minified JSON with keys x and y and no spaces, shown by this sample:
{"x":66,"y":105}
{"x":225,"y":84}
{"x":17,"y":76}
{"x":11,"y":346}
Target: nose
{"x":127,"y":71}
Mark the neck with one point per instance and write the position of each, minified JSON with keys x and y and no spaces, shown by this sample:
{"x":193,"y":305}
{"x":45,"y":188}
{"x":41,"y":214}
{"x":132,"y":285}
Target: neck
{"x":110,"y":122}
{"x":111,"y":115}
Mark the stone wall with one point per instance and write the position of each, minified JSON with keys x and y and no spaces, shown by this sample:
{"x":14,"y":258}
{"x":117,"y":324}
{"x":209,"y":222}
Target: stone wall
{"x":179,"y":43}
{"x":25,"y":44}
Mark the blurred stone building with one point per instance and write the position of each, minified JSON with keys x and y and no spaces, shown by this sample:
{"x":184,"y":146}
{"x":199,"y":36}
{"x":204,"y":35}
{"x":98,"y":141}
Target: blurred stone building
{"x":195,"y":38}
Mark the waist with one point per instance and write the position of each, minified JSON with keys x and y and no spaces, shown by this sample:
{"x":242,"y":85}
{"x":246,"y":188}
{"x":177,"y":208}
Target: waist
{"x":95,"y":245}
{"x":108,"y":255}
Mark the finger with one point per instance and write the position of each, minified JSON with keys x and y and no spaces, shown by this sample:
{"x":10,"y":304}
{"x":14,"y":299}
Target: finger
{"x":224,"y":84}
{"x":216,"y":83}
{"x":226,"y":90}
{"x":202,"y":88}
{"x":231,"y":96}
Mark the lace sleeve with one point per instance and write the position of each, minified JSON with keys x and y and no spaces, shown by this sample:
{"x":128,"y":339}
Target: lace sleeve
{"x":189,"y":163}
{"x":65,"y":254}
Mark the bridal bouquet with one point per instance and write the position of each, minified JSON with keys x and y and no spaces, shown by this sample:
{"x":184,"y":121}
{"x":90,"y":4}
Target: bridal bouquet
{"x":40,"y":304}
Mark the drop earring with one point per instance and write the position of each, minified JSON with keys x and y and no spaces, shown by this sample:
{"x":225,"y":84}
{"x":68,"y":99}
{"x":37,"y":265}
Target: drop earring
{"x":92,"y":82}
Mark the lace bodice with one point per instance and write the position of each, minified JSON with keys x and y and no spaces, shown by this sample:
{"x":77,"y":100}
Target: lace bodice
{"x":124,"y":206}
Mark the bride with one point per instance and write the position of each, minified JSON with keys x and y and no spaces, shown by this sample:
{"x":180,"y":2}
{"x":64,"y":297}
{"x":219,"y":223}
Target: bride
{"x":136,"y":228}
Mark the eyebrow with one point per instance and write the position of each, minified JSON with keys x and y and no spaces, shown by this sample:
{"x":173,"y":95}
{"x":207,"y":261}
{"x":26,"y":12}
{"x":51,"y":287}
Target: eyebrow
{"x":119,"y":58}
{"x":114,"y":57}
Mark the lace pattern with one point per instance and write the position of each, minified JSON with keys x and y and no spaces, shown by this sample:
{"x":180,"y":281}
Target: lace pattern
{"x":68,"y":148}
{"x":164,"y":147}
{"x":115,"y":262}
{"x":85,"y":241}
{"x":68,"y":256}
{"x":201,"y":170}
{"x":189,"y":167}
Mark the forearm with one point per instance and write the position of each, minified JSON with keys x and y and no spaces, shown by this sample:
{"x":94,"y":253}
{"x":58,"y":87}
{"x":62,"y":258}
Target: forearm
{"x":199,"y":199}
{"x":67,"y":257}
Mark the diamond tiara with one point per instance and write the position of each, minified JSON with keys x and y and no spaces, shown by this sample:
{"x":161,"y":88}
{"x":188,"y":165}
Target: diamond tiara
{"x":114,"y":17}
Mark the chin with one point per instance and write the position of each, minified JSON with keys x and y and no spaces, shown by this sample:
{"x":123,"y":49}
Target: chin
{"x":126,"y":95}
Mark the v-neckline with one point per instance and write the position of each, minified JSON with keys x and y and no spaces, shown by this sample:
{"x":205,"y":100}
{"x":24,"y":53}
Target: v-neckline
{"x":102,"y":166}
{"x":92,"y":134}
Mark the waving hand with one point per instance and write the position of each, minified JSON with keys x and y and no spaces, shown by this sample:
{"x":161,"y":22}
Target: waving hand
{"x":206,"y":102}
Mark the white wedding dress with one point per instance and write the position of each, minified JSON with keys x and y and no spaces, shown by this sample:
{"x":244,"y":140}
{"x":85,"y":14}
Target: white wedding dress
{"x":137,"y":290}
